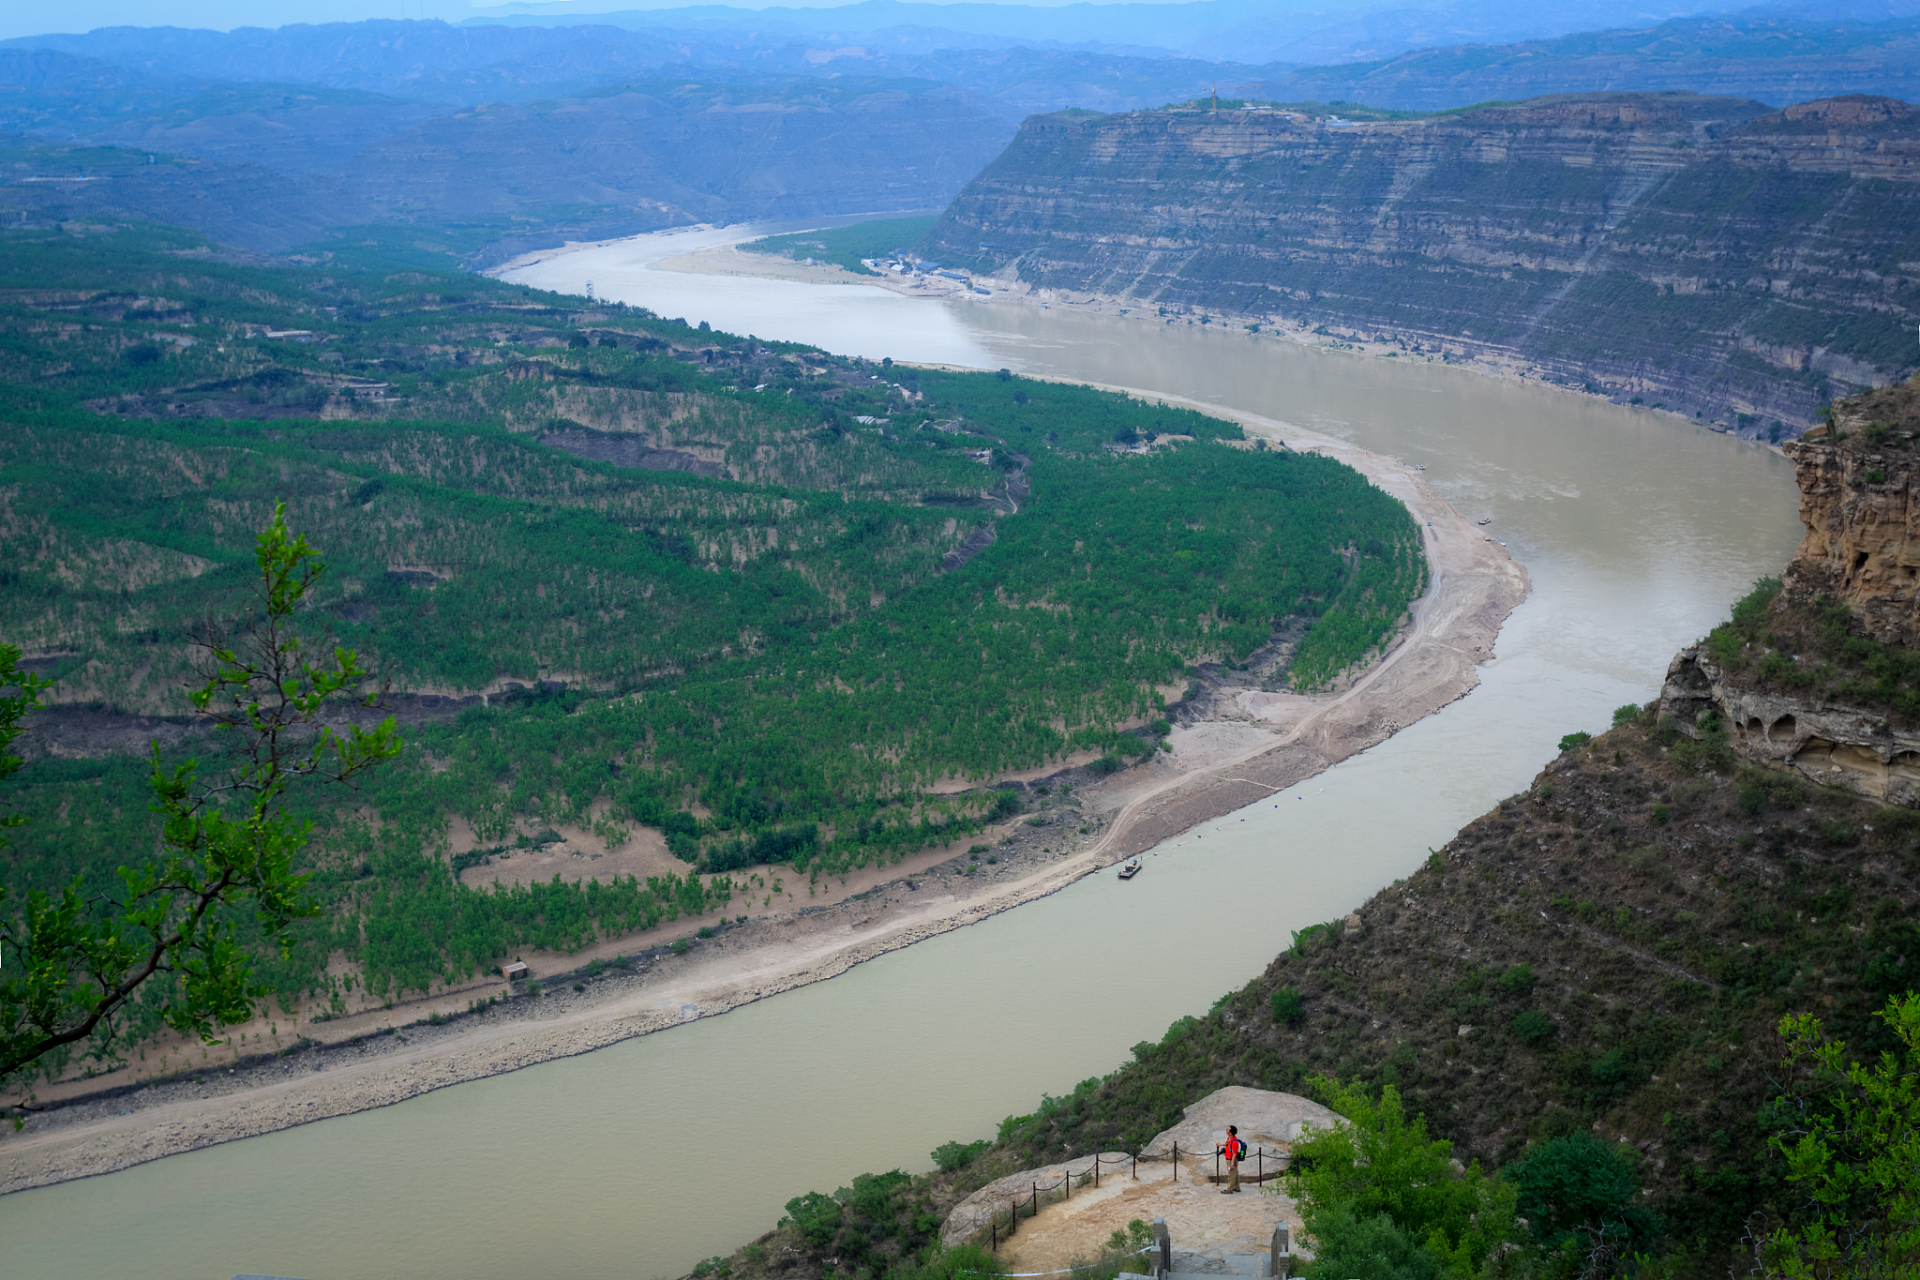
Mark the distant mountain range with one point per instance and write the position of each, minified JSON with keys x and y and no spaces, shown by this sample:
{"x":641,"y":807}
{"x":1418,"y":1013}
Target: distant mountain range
{"x":1775,"y":57}
{"x":1296,"y":32}
{"x":268,"y":166}
{"x":524,"y":129}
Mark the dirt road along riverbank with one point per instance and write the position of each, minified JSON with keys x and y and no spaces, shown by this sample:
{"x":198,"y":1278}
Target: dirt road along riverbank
{"x":1239,"y":744}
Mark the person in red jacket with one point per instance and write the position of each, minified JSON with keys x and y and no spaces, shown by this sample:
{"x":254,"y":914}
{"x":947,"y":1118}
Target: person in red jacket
{"x":1233,"y":1150}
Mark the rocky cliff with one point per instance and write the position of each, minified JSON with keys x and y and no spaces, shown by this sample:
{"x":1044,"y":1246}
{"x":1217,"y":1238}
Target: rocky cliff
{"x":1705,"y":254}
{"x":1819,"y":672}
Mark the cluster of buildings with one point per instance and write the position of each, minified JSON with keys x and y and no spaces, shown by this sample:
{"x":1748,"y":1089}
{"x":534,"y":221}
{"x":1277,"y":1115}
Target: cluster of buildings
{"x":911,"y":267}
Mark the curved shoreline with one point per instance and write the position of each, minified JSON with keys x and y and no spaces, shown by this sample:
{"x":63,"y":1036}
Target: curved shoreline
{"x":1262,"y":743}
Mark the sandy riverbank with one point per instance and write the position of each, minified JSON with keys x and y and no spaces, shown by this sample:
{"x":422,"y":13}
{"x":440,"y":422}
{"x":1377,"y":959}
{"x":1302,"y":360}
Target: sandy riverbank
{"x":1241,"y":745}
{"x":1006,"y":290}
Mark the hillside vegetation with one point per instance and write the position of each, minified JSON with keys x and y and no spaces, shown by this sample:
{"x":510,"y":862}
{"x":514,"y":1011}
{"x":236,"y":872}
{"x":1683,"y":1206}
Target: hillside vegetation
{"x":1608,"y":953}
{"x":622,"y":572}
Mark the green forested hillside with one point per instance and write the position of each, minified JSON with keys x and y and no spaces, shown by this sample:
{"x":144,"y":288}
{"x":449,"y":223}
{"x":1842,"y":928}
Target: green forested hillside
{"x":794,"y":632}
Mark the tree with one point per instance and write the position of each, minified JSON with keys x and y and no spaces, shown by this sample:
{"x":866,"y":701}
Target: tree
{"x":176,"y":932}
{"x":1577,"y":1194}
{"x":1381,"y":1164}
{"x":1851,"y":1139}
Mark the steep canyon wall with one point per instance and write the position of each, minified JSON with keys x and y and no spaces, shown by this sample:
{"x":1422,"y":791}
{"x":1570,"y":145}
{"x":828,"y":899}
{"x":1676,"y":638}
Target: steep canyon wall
{"x":1740,"y":265}
{"x":1819,"y":673}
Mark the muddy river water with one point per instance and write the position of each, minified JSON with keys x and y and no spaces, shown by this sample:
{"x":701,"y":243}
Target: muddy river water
{"x":635,"y":1161}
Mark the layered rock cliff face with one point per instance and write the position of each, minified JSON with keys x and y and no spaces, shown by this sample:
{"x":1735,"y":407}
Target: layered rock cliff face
{"x":1741,"y":265}
{"x":1858,"y":480}
{"x":1820,"y":673}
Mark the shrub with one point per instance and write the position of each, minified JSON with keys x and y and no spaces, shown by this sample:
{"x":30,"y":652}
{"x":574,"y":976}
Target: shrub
{"x":1835,"y":831}
{"x":1578,"y":1186}
{"x":1287,"y":1008}
{"x":1178,"y":1030}
{"x":1383,"y":1163}
{"x":1625,"y":715}
{"x":817,"y":1217}
{"x":1300,"y":936}
{"x":680,"y":946}
{"x":1518,"y":979}
{"x":1575,"y":739}
{"x":1374,"y":1248}
{"x":1710,"y":750}
{"x":963,"y":1262}
{"x":1530,"y":1026}
{"x":1661,"y":813}
{"x":951,"y":1156}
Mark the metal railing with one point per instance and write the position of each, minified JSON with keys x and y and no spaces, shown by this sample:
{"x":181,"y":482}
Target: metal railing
{"x":1258,"y":1155}
{"x":1038,"y":1195}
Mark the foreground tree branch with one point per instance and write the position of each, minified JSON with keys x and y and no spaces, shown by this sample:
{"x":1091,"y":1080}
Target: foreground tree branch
{"x":71,"y":967}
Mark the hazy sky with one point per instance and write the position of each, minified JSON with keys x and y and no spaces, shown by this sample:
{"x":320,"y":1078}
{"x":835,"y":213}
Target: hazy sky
{"x":23,"y":17}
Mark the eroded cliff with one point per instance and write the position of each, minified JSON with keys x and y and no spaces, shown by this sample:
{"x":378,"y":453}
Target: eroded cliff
{"x":1705,"y":254}
{"x":1819,"y":671}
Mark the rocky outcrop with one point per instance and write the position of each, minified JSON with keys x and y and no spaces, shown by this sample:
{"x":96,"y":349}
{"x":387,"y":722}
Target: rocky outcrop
{"x":1838,"y":745}
{"x":1857,"y":499}
{"x":1862,"y":550}
{"x":1704,"y":254}
{"x":1268,"y":1122}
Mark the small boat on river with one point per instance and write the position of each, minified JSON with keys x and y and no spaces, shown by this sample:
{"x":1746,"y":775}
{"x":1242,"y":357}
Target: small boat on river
{"x":1131,"y":870}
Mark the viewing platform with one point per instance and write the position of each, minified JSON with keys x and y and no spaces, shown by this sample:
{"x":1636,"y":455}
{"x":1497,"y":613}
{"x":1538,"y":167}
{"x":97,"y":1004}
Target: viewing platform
{"x":1060,"y":1215}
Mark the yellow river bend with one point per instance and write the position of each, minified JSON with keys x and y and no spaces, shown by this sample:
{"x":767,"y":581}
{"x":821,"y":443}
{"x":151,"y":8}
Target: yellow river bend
{"x":635,"y":1160}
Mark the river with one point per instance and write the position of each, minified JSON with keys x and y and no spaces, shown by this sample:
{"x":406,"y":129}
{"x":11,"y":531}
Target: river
{"x":1639,"y":530}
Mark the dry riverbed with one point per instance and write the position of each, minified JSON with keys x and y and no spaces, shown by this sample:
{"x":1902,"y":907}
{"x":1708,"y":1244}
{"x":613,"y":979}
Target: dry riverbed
{"x":1233,"y":743}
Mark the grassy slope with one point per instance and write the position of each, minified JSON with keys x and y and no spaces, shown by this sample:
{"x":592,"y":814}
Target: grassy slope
{"x":1660,"y":907}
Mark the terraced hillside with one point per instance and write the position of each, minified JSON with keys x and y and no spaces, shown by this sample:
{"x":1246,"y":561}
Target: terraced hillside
{"x":775,"y":605}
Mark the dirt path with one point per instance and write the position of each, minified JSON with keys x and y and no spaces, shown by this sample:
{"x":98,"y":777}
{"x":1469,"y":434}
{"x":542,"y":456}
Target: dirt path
{"x":1260,"y":744}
